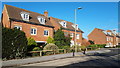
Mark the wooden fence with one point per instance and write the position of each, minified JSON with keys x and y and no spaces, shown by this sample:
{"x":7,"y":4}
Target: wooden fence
{"x":64,"y":50}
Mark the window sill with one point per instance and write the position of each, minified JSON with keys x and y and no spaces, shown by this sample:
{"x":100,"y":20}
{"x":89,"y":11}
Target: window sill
{"x":33,"y":34}
{"x":46,"y":35}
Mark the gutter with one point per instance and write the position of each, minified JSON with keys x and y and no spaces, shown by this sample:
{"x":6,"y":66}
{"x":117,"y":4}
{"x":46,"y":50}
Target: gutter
{"x":12,"y":19}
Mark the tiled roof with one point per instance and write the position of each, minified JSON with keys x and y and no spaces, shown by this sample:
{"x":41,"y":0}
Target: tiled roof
{"x":106,"y":32}
{"x":14,"y":13}
{"x":68,"y":26}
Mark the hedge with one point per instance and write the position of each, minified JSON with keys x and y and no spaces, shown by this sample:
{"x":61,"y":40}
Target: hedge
{"x":14,"y":44}
{"x":98,"y":45}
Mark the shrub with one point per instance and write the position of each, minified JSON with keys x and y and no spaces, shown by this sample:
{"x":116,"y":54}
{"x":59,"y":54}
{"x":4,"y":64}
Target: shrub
{"x":101,"y":45}
{"x":98,"y":45}
{"x":92,"y":45}
{"x":78,"y":48}
{"x":31,"y":41}
{"x":50,"y":40}
{"x":51,"y":46}
{"x":31,"y":44}
{"x":14,"y":44}
{"x":118,"y":46}
{"x":67,"y":48}
{"x":91,"y":42}
{"x":36,"y":49}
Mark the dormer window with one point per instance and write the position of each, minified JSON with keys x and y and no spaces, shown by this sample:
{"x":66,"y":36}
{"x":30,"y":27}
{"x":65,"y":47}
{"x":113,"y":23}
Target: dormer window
{"x":75,"y":26}
{"x":63,"y":23}
{"x":41,"y":19}
{"x":109,"y":33}
{"x":25,"y":16}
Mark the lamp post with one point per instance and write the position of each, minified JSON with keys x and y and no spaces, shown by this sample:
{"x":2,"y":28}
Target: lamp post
{"x":75,"y":27}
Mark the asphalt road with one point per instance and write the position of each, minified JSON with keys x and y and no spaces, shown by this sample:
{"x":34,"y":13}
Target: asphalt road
{"x":109,"y":59}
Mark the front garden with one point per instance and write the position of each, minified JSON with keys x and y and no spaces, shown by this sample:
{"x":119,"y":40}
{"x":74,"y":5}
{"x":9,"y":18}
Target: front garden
{"x":15,"y":45}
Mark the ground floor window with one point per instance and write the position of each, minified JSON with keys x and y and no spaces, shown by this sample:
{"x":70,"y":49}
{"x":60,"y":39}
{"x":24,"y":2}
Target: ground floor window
{"x":33,"y":31}
{"x":77,"y":36}
{"x":46,"y":32}
{"x":18,"y":27}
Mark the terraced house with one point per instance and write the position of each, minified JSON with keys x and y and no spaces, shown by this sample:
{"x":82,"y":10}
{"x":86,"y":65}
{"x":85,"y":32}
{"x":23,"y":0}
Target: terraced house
{"x":38,"y":26}
{"x":69,"y":29}
{"x":108,"y":37}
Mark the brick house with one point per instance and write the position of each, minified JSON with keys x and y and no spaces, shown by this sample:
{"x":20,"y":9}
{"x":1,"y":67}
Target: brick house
{"x":38,"y":26}
{"x":108,"y":37}
{"x":69,"y":29}
{"x":35,"y":25}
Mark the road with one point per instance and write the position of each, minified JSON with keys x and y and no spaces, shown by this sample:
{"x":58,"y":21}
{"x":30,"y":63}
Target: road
{"x":111,"y":58}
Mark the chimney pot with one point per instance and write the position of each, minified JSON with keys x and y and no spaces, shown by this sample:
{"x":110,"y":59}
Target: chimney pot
{"x":46,"y":13}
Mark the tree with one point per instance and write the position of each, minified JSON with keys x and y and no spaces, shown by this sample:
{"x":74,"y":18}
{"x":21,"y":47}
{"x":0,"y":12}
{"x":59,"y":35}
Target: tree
{"x":60,"y":39}
{"x":31,"y":44}
{"x":31,"y":41}
{"x":14,"y":43}
{"x":50,"y":40}
{"x":91,"y":42}
{"x":67,"y":40}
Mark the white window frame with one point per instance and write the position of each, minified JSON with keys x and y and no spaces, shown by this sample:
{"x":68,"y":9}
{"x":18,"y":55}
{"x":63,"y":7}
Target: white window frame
{"x":18,"y":27}
{"x":75,"y":26}
{"x":63,"y":23}
{"x":41,"y":19}
{"x":33,"y":33}
{"x":72,"y":43}
{"x":107,"y":38}
{"x":71,"y":34}
{"x":44,"y":32}
{"x":77,"y":36}
{"x":25,"y":16}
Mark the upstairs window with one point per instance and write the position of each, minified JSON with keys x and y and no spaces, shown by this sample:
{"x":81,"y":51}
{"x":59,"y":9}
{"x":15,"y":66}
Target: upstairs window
{"x":71,"y":34}
{"x":18,"y":27}
{"x":41,"y":19}
{"x":33,"y":31}
{"x":25,"y":16}
{"x":109,"y":33}
{"x":63,"y":23}
{"x":77,"y":36}
{"x":75,"y":26}
{"x":46,"y":32}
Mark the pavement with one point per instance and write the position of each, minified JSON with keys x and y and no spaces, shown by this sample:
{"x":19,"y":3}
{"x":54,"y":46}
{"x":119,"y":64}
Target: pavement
{"x":79,"y":59}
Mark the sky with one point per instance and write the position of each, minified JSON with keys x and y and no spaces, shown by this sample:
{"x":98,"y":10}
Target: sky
{"x":103,"y":15}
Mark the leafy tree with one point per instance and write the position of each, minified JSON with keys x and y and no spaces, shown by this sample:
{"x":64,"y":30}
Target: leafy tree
{"x":59,"y":38}
{"x":31,"y":41}
{"x":91,"y":42}
{"x":50,"y":40}
{"x":67,"y":40}
{"x":14,"y":43}
{"x":31,"y":44}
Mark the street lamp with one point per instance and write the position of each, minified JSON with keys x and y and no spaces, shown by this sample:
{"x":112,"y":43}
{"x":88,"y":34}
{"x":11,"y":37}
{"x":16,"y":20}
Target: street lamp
{"x":75,"y":28}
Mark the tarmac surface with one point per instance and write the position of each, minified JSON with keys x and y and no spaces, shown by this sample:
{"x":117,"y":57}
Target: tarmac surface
{"x":110,"y":59}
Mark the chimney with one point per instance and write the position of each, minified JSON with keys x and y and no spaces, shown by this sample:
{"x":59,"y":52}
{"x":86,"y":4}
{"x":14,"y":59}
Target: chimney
{"x":114,"y":31}
{"x":46,"y":13}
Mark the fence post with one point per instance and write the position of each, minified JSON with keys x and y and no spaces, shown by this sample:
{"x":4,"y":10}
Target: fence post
{"x":40,"y":53}
{"x":64,"y":50}
{"x":86,"y":49}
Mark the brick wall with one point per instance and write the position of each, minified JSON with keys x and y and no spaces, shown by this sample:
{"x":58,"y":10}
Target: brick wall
{"x":40,"y":30}
{"x":97,"y":36}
